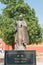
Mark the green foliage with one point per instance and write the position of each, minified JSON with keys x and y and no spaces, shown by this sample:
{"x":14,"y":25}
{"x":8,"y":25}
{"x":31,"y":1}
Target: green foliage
{"x":7,"y":29}
{"x":10,"y":14}
{"x":42,"y":32}
{"x":1,"y":34}
{"x":8,"y":2}
{"x":21,"y":1}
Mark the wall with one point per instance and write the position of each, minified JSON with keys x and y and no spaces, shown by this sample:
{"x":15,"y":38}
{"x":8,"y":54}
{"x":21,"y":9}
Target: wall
{"x":4,"y":46}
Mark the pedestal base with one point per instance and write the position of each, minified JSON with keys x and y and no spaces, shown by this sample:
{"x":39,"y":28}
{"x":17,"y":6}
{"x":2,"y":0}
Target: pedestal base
{"x":19,"y":47}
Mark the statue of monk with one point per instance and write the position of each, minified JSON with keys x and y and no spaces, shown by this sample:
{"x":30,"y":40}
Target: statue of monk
{"x":21,"y":36}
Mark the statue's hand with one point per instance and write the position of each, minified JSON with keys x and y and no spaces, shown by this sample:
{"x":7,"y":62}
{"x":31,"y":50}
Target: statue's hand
{"x":15,"y":31}
{"x":24,"y":44}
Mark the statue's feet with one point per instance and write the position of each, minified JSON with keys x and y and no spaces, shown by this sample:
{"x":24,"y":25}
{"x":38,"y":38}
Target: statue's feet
{"x":19,"y":47}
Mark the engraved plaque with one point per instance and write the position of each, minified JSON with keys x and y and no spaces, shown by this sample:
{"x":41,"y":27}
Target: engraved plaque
{"x":20,"y":58}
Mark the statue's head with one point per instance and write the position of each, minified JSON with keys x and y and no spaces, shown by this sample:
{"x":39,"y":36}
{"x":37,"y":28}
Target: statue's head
{"x":20,"y":17}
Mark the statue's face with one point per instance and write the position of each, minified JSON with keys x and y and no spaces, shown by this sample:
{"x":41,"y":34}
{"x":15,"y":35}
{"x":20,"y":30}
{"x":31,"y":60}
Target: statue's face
{"x":20,"y":17}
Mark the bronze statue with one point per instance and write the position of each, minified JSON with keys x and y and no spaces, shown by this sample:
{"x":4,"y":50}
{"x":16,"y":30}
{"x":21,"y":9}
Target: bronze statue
{"x":21,"y":36}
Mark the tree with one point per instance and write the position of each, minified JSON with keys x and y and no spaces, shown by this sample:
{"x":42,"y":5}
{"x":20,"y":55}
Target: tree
{"x":42,"y":32}
{"x":1,"y":34}
{"x":13,"y":9}
{"x":21,"y":1}
{"x":7,"y":30}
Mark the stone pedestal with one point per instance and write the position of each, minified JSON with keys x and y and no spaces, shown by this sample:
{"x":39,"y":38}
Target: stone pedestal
{"x":18,"y":57}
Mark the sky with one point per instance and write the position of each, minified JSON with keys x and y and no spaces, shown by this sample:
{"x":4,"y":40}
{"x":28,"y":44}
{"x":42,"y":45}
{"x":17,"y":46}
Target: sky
{"x":36,"y":4}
